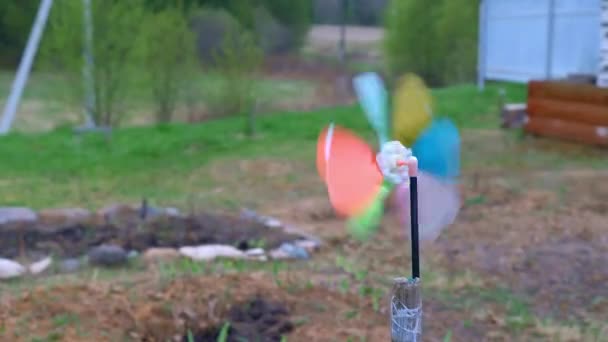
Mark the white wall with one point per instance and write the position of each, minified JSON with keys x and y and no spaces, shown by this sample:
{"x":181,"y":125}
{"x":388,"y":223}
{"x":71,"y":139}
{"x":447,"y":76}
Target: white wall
{"x":523,"y":42}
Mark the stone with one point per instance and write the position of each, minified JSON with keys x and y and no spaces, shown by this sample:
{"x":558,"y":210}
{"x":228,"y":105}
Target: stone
{"x":210,"y":252}
{"x":289,"y":251}
{"x":69,"y":265}
{"x":272,"y":222}
{"x":159,"y":255}
{"x":118,"y":212}
{"x":40,"y":266}
{"x":256,"y":254}
{"x":107,"y":255}
{"x":63,"y":216}
{"x":17,"y":215}
{"x":309,"y":245}
{"x":10,"y":269}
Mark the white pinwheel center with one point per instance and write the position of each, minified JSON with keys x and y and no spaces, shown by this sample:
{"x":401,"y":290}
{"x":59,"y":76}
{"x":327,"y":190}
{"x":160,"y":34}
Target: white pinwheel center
{"x":392,"y":161}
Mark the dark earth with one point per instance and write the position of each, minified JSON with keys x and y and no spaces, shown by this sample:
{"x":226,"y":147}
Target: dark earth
{"x":255,"y":320}
{"x":69,"y":241}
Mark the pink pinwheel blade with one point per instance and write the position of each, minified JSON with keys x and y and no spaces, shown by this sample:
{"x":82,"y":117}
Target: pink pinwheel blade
{"x":438,"y":205}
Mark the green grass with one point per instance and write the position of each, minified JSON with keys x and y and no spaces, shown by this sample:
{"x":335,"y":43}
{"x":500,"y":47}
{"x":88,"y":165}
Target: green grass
{"x":167,"y":162}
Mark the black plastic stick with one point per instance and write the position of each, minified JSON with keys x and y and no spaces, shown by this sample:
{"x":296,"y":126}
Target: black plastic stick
{"x":414,"y":227}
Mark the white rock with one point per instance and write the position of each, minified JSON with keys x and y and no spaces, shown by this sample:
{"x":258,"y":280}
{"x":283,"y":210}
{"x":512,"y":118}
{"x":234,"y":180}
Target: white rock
{"x":279,"y":254}
{"x":10,"y":269}
{"x":255,"y":251}
{"x":173,"y":212}
{"x":17,"y":214}
{"x":256,"y":254}
{"x":308,"y":245}
{"x":39,"y":266}
{"x":271,"y":222}
{"x":210,"y":252}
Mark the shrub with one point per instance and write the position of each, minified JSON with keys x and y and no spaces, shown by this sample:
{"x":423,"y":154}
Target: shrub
{"x":295,"y":15}
{"x":411,"y":42}
{"x":456,"y":28}
{"x":368,"y":12}
{"x":436,"y":39}
{"x":271,"y":35}
{"x":168,"y":54}
{"x":211,"y":27}
{"x":236,"y":63}
{"x":116,"y":26}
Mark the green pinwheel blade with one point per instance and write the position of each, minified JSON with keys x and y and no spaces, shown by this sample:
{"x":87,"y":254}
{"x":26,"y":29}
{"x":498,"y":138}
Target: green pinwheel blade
{"x":363,"y":226}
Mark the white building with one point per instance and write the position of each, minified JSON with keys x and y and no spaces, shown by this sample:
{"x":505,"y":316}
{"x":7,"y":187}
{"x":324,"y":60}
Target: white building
{"x":520,"y":40}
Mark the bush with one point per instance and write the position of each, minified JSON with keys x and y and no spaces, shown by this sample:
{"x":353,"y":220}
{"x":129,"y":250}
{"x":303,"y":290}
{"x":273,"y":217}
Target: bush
{"x":116,"y":26}
{"x":16,"y":19}
{"x":168,"y":54}
{"x":211,"y":27}
{"x":457,"y":29}
{"x":295,"y":15}
{"x":271,"y":35}
{"x":411,"y":42}
{"x":435,"y":39}
{"x":368,"y":12}
{"x":236,"y":63}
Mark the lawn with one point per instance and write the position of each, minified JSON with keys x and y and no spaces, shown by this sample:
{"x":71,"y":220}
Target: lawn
{"x":530,"y":205}
{"x":154,"y":161}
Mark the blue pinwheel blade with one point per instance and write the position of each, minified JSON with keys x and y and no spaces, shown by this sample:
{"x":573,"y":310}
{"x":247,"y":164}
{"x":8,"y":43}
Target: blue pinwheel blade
{"x":438,"y":149}
{"x":373,"y":98}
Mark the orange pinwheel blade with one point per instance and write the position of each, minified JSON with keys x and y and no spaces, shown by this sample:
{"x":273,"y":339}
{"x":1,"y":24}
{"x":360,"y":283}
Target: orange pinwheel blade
{"x":351,"y":173}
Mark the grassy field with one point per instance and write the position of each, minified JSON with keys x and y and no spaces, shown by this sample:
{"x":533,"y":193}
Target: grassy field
{"x":521,"y":194}
{"x":57,"y":168}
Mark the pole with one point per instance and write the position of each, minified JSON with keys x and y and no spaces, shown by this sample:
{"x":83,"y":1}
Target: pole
{"x":25,"y":66}
{"x":482,"y":45}
{"x":550,"y":30}
{"x":88,"y":65}
{"x":342,"y":46}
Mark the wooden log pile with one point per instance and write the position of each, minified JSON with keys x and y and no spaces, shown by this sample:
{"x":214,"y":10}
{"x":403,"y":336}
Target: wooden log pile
{"x":569,"y":111}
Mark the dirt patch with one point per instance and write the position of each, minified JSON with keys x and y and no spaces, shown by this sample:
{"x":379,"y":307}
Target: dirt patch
{"x":135,"y":234}
{"x":148,"y":311}
{"x":255,"y":320}
{"x":569,"y":278}
{"x":550,"y":247}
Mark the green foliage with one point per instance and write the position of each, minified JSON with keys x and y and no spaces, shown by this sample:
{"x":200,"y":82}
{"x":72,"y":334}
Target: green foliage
{"x":411,"y":39}
{"x":457,"y":40}
{"x":16,"y":19}
{"x":211,"y":27}
{"x":435,"y":39}
{"x":168,"y":53}
{"x":116,"y":26}
{"x":237,"y":60}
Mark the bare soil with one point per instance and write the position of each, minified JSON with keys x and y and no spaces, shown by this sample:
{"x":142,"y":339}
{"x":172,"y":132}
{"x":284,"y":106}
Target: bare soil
{"x":132,"y":233}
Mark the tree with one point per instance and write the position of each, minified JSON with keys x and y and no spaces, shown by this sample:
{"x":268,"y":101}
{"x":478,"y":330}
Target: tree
{"x":116,"y":27}
{"x":411,"y":39}
{"x":168,"y":53}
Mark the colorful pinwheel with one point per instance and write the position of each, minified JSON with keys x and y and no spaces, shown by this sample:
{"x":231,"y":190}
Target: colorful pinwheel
{"x":359,"y":180}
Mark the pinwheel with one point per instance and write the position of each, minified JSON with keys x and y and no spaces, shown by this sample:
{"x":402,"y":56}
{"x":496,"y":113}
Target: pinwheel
{"x":359,"y":181}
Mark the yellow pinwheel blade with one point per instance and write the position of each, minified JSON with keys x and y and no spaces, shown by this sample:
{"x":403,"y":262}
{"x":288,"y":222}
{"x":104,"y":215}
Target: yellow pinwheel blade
{"x":412,"y":109}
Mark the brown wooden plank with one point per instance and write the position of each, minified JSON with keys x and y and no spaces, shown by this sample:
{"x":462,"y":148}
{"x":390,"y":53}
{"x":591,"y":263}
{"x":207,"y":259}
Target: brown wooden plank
{"x":568,"y":91}
{"x":568,"y":111}
{"x":572,"y":131}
